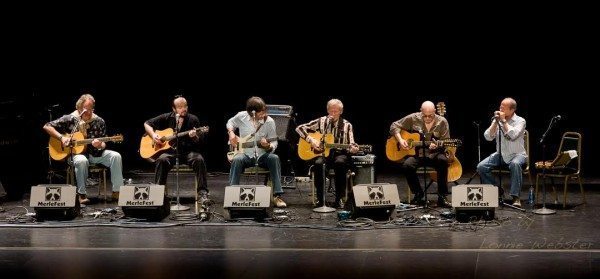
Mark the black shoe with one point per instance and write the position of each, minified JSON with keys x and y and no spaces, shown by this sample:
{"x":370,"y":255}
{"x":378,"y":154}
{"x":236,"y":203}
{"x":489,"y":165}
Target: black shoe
{"x":319,"y":203}
{"x":339,"y":204}
{"x":418,"y":199}
{"x":443,"y":202}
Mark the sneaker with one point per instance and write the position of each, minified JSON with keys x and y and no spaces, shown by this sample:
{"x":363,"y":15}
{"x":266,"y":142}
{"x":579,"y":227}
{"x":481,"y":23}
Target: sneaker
{"x":115,"y":196}
{"x":279,"y":202}
{"x":443,"y":202}
{"x":516,"y":201}
{"x":83,"y":199}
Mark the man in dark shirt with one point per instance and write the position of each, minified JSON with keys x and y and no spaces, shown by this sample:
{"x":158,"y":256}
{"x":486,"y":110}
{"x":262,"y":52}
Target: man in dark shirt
{"x":188,"y":145}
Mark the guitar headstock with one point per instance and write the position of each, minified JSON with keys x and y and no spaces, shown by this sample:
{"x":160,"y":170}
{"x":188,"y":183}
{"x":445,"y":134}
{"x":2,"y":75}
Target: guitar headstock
{"x":203,"y":129}
{"x":452,"y":142}
{"x":117,"y":138}
{"x":441,"y":108}
{"x":365,"y":148}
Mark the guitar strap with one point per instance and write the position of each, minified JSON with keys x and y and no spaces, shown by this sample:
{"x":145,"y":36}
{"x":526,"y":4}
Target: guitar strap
{"x":257,"y":128}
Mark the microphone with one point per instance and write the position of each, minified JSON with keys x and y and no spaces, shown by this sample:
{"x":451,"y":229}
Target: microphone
{"x":253,"y":113}
{"x":558,"y":117}
{"x":495,"y":116}
{"x":82,"y":112}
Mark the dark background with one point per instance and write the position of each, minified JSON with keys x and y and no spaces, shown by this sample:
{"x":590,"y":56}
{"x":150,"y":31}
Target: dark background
{"x":380,"y":70}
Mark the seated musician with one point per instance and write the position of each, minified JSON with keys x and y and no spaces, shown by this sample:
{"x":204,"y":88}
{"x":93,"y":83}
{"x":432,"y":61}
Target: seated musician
{"x":92,"y":126}
{"x":340,"y":160}
{"x":430,"y":126}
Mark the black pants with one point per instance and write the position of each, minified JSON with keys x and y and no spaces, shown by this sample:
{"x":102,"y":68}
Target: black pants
{"x":341,"y":164}
{"x":438,"y":161}
{"x":166,"y":162}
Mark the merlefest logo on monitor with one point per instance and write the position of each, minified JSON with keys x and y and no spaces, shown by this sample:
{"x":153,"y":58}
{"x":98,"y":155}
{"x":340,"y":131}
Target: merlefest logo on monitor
{"x":474,"y":197}
{"x":376,"y":196}
{"x":52,"y":197}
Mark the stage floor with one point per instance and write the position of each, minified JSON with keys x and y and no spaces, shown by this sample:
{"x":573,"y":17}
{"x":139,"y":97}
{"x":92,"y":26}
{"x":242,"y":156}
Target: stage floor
{"x":303,"y":244}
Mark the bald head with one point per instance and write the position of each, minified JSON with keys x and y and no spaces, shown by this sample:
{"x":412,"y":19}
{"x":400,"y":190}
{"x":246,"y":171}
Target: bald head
{"x":427,"y":106}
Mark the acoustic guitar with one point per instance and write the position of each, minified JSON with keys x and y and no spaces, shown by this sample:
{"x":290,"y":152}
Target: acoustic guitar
{"x":307,"y":152}
{"x":78,"y":144}
{"x":149,"y":149}
{"x":243,"y":143}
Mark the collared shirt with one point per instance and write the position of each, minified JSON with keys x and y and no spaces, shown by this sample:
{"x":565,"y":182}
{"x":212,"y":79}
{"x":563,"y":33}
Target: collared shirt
{"x":342,"y":129}
{"x":95,"y":127}
{"x":243,"y":121}
{"x":513,"y":140}
{"x":413,"y":123}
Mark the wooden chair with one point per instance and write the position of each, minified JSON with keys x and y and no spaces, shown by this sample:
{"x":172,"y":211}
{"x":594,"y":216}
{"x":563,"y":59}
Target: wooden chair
{"x":563,"y":166}
{"x":93,"y":169}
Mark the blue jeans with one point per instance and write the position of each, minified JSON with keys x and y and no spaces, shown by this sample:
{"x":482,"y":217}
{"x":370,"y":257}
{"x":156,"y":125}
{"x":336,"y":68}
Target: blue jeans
{"x":111,"y":159}
{"x":516,"y":171}
{"x":268,"y":160}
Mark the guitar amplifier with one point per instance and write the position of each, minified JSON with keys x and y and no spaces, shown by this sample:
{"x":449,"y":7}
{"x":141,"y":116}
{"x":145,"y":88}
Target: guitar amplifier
{"x":368,"y":159}
{"x":364,"y":169}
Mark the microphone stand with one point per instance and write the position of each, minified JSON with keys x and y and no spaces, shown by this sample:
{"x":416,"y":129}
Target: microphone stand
{"x":255,"y":148}
{"x":178,"y":206}
{"x":51,"y":172}
{"x":324,"y":208}
{"x":544,"y":210}
{"x":478,"y":153}
{"x":423,"y":146}
{"x":500,"y":190}
{"x":72,"y":163}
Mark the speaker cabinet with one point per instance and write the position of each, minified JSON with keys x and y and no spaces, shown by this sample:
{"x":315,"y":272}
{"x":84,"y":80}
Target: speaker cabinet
{"x":474,"y":201}
{"x":246,"y":202}
{"x":365,"y":174}
{"x":144,"y":201}
{"x":54,"y":202}
{"x":376,"y":201}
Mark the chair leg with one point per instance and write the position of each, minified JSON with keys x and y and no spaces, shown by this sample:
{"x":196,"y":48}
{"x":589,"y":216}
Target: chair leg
{"x":554,"y":190}
{"x":565,"y":191}
{"x":581,"y":188}
{"x":104,"y":185}
{"x":537,"y":179}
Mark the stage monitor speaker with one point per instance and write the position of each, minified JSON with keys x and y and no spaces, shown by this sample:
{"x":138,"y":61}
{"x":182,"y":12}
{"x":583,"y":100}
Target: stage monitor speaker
{"x":144,"y":201}
{"x":474,"y":201}
{"x":285,"y":124}
{"x":54,"y":202}
{"x":376,"y":201}
{"x":246,"y":201}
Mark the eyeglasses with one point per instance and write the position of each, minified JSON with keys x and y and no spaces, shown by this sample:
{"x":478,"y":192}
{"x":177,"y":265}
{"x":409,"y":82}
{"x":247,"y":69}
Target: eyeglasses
{"x":428,"y":116}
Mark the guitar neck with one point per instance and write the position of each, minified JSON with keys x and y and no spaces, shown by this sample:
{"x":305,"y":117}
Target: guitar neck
{"x":88,"y":141}
{"x":180,"y":134}
{"x":337,"y":145}
{"x":251,"y":143}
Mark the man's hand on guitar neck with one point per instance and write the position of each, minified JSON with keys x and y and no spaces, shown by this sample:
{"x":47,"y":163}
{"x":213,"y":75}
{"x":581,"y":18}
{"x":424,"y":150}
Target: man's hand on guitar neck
{"x":353,"y":148}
